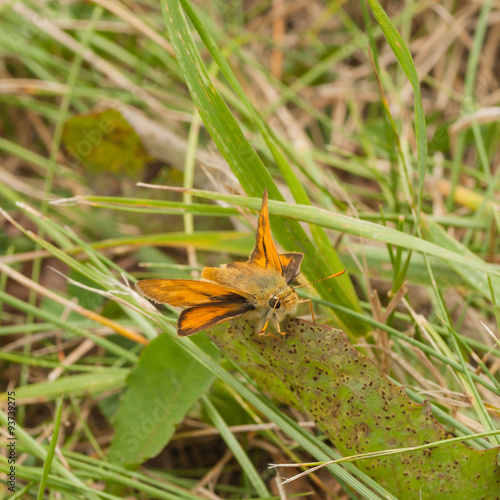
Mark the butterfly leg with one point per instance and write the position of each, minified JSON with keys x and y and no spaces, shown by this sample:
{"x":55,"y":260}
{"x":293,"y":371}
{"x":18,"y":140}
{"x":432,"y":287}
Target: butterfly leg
{"x":277,"y":326}
{"x":276,"y":323}
{"x":310,"y":306}
{"x":264,"y":328}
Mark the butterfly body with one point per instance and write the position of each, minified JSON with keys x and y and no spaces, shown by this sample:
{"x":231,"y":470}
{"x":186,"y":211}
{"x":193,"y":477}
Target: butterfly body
{"x":268,"y":288}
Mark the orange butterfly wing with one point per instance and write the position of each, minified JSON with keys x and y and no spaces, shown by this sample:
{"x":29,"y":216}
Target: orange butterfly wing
{"x":264,"y":253}
{"x":208,"y":303}
{"x":188,"y":293}
{"x":196,"y":319}
{"x":290,"y":263}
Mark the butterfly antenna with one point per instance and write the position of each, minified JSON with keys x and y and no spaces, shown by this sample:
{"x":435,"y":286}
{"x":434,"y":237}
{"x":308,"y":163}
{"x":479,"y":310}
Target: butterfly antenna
{"x":322,"y":279}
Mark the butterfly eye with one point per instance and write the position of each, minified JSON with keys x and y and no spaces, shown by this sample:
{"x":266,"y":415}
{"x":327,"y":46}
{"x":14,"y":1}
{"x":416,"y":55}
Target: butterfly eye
{"x":274,"y":303}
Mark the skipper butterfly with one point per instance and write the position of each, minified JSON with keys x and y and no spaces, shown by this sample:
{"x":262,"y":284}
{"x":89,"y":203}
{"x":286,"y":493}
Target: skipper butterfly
{"x":259,"y":289}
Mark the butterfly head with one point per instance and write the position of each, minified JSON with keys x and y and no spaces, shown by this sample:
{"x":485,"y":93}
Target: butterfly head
{"x":284,"y":302}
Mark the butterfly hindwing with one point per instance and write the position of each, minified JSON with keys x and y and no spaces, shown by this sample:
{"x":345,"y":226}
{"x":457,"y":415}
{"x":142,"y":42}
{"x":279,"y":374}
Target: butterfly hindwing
{"x":290,"y":263}
{"x":196,"y":319}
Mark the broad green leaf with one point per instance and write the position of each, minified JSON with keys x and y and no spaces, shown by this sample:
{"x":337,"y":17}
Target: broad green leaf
{"x":315,"y":369}
{"x":105,"y":142}
{"x":162,"y":387}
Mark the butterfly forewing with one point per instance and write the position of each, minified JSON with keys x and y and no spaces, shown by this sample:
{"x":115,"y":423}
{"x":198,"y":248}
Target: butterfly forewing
{"x":264,"y":253}
{"x":187,"y":293}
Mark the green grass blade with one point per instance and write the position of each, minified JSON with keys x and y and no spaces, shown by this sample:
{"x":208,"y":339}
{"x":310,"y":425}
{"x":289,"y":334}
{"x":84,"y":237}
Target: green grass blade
{"x":233,"y":444}
{"x":350,"y":225}
{"x":87,"y":383}
{"x":248,"y":167}
{"x":404,"y":58}
{"x":51,"y":450}
{"x":37,"y":450}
